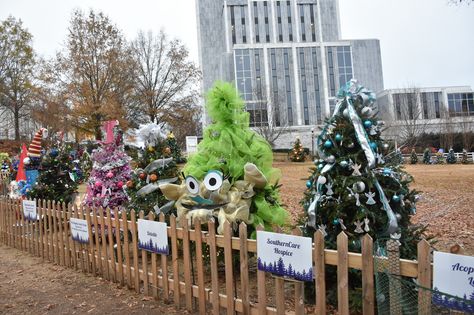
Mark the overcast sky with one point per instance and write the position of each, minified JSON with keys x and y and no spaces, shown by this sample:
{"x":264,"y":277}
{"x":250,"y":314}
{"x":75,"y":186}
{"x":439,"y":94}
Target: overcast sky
{"x":424,"y":42}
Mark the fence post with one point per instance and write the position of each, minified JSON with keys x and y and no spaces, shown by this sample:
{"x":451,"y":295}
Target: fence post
{"x":244,"y":268}
{"x":299,"y":286}
{"x":113,"y":271}
{"x":200,"y":267}
{"x":214,"y":274}
{"x":164,"y":266}
{"x":424,"y":277}
{"x":154,"y":275}
{"x":141,"y":215}
{"x":119,"y":248}
{"x":342,"y":275}
{"x":175,"y":257}
{"x":187,"y":266}
{"x":135,"y":250}
{"x":261,"y":286}
{"x":394,"y":269}
{"x":229,"y":270}
{"x":126,"y":249}
{"x":367,"y":275}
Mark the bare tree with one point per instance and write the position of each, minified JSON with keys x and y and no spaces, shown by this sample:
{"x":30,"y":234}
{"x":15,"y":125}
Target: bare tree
{"x":409,"y":115}
{"x":467,"y":133}
{"x":17,"y":62}
{"x":166,"y":82}
{"x":447,"y":130}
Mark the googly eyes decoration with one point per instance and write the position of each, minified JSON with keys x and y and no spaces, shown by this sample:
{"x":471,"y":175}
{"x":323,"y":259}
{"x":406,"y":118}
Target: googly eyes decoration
{"x":192,"y":185}
{"x":213,"y":180}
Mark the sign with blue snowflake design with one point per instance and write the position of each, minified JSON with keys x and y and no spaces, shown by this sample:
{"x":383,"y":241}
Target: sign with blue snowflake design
{"x":29,"y":210}
{"x":285,"y":255}
{"x":79,"y":230}
{"x":453,"y":275}
{"x":153,"y":236}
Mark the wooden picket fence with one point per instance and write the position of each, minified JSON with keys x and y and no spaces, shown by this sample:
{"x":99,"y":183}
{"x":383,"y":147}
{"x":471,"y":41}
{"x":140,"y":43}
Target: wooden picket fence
{"x":184,"y":277}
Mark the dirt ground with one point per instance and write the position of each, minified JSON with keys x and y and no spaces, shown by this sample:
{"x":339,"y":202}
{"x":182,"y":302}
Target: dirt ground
{"x":446,"y":205}
{"x":30,"y":286}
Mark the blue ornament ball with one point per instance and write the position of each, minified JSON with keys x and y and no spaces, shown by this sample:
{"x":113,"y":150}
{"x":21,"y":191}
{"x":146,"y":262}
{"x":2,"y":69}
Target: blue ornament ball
{"x":338,"y":137}
{"x":344,"y":164}
{"x":396,"y":198}
{"x":367,"y":124}
{"x":387,"y":171}
{"x":320,"y":166}
{"x":335,"y":221}
{"x":308,"y":184}
{"x":54,"y":152}
{"x":373,"y":145}
{"x":328,"y":144}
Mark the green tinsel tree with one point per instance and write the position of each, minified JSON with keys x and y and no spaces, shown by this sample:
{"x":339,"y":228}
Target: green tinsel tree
{"x":352,"y":189}
{"x":427,"y":156}
{"x":439,"y":157}
{"x":174,"y":149}
{"x":413,"y":157}
{"x":297,"y":154}
{"x":56,"y":180}
{"x":451,"y":158}
{"x":155,"y":166}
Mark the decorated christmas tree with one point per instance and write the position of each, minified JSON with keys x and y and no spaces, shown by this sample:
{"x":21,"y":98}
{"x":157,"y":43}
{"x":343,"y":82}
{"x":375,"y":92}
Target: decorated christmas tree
{"x":110,"y":172}
{"x":351,"y":182}
{"x":427,"y":156}
{"x":464,"y":158}
{"x":413,"y":157}
{"x":57,"y":180}
{"x":154,"y":169}
{"x":352,"y":189}
{"x":439,"y":157}
{"x":173,"y":149}
{"x":231,"y":176}
{"x":297,"y":154}
{"x":451,"y":158}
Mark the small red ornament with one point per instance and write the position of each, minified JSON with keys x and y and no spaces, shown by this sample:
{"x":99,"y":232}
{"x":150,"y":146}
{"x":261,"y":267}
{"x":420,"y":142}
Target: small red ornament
{"x":110,"y":174}
{"x":153,"y":177}
{"x":98,"y":184}
{"x":120,"y":185}
{"x":142,"y":176}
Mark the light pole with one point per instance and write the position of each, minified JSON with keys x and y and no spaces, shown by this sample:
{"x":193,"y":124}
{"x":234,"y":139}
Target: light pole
{"x":312,"y":143}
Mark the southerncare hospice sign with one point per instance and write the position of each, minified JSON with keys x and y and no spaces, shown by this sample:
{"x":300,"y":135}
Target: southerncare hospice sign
{"x":285,"y":255}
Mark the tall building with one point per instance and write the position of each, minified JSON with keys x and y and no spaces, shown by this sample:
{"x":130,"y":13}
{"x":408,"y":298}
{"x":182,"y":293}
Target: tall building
{"x":286,"y":58}
{"x":436,"y":110}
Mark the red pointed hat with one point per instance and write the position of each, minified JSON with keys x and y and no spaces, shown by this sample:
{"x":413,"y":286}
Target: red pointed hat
{"x":21,"y":175}
{"x":34,"y":150}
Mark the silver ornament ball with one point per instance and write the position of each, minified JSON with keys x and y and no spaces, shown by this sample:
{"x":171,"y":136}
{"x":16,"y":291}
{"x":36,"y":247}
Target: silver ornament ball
{"x":345,"y":113}
{"x":321,"y":180}
{"x":331,"y":159}
{"x":359,"y":186}
{"x":398,"y":216}
{"x":366,"y":111}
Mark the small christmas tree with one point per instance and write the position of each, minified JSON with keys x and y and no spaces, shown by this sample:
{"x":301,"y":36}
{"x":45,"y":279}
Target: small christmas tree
{"x":297,"y":154}
{"x":451,"y":158}
{"x":153,"y":169}
{"x":110,"y":171}
{"x":439,"y":157}
{"x":56,"y":180}
{"x":464,"y":159}
{"x":173,"y":149}
{"x":413,"y":157}
{"x":427,"y":156}
{"x":352,"y":189}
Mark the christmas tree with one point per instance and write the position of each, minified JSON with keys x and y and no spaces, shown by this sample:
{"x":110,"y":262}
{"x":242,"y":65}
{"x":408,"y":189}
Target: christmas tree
{"x":427,"y":156}
{"x":464,"y":159}
{"x":351,"y":188}
{"x":439,"y":157}
{"x":56,"y":180}
{"x":153,"y":170}
{"x":413,"y":157}
{"x":451,"y":158}
{"x":297,"y":154}
{"x":173,"y":149}
{"x":110,"y":171}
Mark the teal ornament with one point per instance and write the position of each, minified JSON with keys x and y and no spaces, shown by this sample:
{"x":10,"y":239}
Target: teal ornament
{"x":328,"y":144}
{"x":367,"y":124}
{"x":335,"y":221}
{"x":387,"y":171}
{"x":308,"y":184}
{"x":396,"y":198}
{"x":320,"y":166}
{"x":373,"y":145}
{"x":344,"y":164}
{"x":338,"y":137}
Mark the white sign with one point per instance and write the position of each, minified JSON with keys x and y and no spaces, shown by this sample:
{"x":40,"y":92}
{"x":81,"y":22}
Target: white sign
{"x":153,"y":236}
{"x":191,"y":144}
{"x":454,"y":275}
{"x":285,"y":255}
{"x":79,"y":230}
{"x":29,"y":210}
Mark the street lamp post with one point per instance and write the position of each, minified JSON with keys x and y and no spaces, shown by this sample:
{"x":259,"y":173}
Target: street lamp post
{"x":312,"y":143}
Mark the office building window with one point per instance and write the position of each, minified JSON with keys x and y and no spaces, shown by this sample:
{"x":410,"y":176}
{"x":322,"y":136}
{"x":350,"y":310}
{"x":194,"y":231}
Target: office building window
{"x":257,"y":114}
{"x":461,"y":104}
{"x":267,"y":24}
{"x":314,"y":60}
{"x":437,"y":96}
{"x":397,"y":103}
{"x":280,"y":26}
{"x":303,"y":30}
{"x":244,"y":31}
{"x":344,"y":64}
{"x":290,"y":27}
{"x":275,"y":101}
{"x":288,"y":87}
{"x":424,"y":104}
{"x":232,"y":24}
{"x":304,"y":90}
{"x":332,"y":85}
{"x":313,"y":27}
{"x":255,"y":17}
{"x":243,"y":73}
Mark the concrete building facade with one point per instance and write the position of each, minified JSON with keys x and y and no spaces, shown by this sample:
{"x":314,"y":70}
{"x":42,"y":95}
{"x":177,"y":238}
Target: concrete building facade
{"x":286,"y":58}
{"x":429,"y":110}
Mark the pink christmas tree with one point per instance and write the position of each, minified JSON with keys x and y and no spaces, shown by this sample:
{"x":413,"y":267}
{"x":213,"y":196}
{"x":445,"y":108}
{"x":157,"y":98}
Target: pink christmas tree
{"x":110,"y":171}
